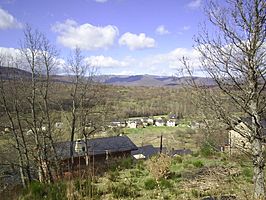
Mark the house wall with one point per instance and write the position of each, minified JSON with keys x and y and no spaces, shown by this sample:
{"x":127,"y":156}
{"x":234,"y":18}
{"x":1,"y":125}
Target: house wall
{"x":132,"y":125}
{"x":159,"y":124}
{"x":99,"y":160}
{"x":171,"y":124}
{"x":237,"y":141}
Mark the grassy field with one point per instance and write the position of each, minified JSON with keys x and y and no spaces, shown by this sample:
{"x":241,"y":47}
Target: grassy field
{"x":173,"y":137}
{"x":188,"y":177}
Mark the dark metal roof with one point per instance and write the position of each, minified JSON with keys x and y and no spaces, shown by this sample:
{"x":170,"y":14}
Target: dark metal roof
{"x":147,"y":151}
{"x":180,"y":152}
{"x":98,"y":146}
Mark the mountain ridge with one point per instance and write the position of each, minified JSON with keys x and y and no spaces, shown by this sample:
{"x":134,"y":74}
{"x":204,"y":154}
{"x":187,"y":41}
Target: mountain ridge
{"x":120,"y":80}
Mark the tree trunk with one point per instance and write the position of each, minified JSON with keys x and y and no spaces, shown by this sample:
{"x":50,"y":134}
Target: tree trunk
{"x":258,"y":176}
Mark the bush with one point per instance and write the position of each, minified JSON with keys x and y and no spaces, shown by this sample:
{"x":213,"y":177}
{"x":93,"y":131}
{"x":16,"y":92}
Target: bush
{"x":248,"y":174}
{"x":159,"y":166}
{"x":150,"y":184}
{"x":198,"y":163}
{"x":195,"y":193}
{"x":196,"y":154}
{"x":177,"y":159}
{"x":81,"y":189}
{"x":136,"y":173}
{"x":123,"y":190}
{"x":113,"y":175}
{"x":206,"y":150}
{"x":165,"y":184}
{"x":126,"y":163}
{"x":140,"y":165}
{"x":84,"y":187}
{"x":37,"y":190}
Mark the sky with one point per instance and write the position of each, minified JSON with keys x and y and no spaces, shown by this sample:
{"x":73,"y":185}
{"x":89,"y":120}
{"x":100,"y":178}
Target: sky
{"x":122,"y":37}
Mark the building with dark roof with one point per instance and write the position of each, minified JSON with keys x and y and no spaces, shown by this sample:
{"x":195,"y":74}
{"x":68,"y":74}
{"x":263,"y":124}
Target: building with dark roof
{"x":99,"y":149}
{"x":147,"y":151}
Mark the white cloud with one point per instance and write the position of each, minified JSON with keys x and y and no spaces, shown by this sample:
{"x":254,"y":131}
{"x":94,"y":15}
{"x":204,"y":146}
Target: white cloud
{"x":161,"y":30}
{"x":9,"y":51}
{"x":103,"y":61}
{"x":167,"y":63}
{"x":101,"y":1}
{"x":194,"y":4}
{"x":125,"y":73}
{"x":135,"y":42}
{"x":7,"y":21}
{"x":171,"y":60}
{"x":85,"y":36}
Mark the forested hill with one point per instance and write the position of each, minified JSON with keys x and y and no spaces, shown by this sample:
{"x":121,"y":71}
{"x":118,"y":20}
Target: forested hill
{"x":123,"y":80}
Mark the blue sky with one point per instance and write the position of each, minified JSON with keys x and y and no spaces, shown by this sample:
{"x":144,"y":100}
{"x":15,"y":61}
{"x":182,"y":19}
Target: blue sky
{"x":117,"y":36}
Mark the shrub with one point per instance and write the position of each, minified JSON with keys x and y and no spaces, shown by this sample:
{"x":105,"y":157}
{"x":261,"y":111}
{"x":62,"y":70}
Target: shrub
{"x":248,"y":174}
{"x":195,"y":193}
{"x":84,"y":187}
{"x":206,"y":150}
{"x":159,"y":166}
{"x":136,"y":173}
{"x":37,"y":190}
{"x":198,"y":163}
{"x":150,"y":184}
{"x":126,"y":163}
{"x":195,"y":154}
{"x":165,"y":184}
{"x":177,"y":159}
{"x":140,"y":165}
{"x":123,"y":190}
{"x":113,"y":175}
{"x":80,"y":189}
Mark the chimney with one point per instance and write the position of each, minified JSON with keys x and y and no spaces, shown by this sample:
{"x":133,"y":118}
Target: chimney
{"x":80,"y":146}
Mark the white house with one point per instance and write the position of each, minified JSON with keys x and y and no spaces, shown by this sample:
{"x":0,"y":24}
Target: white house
{"x":159,"y":122}
{"x":118,"y":124}
{"x":132,"y":124}
{"x":150,"y":121}
{"x":170,"y":123}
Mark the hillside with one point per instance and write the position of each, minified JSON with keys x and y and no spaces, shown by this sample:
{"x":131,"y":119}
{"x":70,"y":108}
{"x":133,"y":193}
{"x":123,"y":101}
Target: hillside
{"x":121,"y":80}
{"x":9,"y":72}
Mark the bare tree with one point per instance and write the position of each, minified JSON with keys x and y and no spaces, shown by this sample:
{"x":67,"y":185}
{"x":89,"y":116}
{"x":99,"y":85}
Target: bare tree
{"x":234,"y":55}
{"x":77,"y":70}
{"x":11,"y":102}
{"x":39,"y":57}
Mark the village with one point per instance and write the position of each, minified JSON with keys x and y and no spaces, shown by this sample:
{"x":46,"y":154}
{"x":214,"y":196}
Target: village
{"x":104,"y":147}
{"x":133,"y":100}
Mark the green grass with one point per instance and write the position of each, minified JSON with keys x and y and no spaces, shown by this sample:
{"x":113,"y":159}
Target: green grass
{"x":173,"y":137}
{"x":191,"y":178}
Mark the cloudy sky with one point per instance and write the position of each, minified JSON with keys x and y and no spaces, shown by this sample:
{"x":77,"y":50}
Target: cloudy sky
{"x":118,"y":36}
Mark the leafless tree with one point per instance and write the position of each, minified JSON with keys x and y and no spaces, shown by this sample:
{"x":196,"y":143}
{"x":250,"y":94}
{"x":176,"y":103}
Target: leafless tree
{"x":87,"y":101}
{"x":233,"y":53}
{"x":12,"y":100}
{"x":39,"y":57}
{"x":77,"y":69}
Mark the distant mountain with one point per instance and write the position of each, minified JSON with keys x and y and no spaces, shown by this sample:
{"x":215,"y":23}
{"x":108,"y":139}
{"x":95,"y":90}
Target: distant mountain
{"x":123,"y":80}
{"x":10,"y":72}
{"x":152,"y":80}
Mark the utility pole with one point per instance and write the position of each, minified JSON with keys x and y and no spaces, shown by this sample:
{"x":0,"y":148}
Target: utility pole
{"x":161,"y":144}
